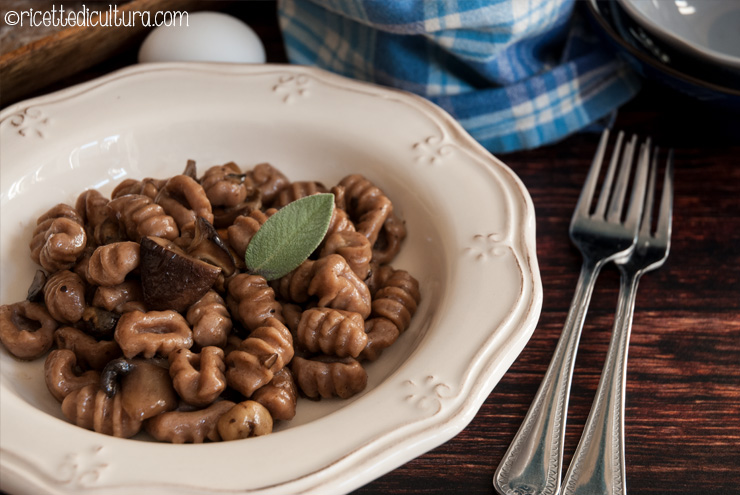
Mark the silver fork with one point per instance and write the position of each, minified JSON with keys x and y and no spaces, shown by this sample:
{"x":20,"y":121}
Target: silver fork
{"x":598,"y":463}
{"x":533,"y":463}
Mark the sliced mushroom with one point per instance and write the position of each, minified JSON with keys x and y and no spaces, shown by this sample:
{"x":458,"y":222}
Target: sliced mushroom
{"x":99,"y":323}
{"x":36,"y":290}
{"x":244,"y":420}
{"x":208,"y":246}
{"x":170,"y":278}
{"x":112,"y":374}
{"x":191,"y":170}
{"x":224,"y":216}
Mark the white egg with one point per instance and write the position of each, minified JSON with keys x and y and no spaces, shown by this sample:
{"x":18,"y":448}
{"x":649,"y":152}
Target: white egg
{"x":203,"y":37}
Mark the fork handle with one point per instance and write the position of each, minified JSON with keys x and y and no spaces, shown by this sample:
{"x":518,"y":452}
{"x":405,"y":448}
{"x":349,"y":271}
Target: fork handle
{"x":597,"y":466}
{"x":533,"y":463}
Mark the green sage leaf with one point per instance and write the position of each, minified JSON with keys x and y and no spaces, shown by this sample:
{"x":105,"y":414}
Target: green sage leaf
{"x":289,"y":236}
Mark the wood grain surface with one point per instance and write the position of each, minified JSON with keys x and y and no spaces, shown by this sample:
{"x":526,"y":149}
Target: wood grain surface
{"x":683,"y":391}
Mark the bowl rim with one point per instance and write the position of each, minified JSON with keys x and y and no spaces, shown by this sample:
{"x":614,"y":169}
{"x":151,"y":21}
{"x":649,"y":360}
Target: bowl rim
{"x":644,"y":58}
{"x":668,"y":36}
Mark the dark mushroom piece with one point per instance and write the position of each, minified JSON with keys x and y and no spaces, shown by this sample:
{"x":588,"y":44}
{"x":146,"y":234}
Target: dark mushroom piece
{"x":36,"y":290}
{"x":113,"y":371}
{"x":99,"y":323}
{"x":224,"y":216}
{"x":208,"y":246}
{"x":172,"y":279}
{"x":191,"y":170}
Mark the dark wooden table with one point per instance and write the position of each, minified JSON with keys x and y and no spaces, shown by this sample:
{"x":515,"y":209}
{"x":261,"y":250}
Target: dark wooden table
{"x":683,"y":391}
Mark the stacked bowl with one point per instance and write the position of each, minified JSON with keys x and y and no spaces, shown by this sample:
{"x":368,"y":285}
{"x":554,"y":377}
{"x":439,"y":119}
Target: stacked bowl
{"x":692,"y":46}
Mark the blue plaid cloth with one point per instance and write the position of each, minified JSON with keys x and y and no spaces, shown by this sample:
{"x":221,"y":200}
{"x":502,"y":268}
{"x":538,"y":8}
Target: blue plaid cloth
{"x":517,"y":74}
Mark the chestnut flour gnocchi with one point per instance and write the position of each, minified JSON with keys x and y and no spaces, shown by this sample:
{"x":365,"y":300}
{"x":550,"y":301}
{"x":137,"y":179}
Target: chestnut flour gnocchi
{"x":150,"y":320}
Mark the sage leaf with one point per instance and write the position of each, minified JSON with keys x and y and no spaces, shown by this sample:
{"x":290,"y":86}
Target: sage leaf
{"x":289,"y":236}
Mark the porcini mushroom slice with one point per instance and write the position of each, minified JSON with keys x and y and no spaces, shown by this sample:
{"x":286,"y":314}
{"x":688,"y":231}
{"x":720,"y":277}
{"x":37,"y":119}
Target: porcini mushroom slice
{"x":147,"y":390}
{"x":112,"y":374}
{"x":98,"y":322}
{"x":36,"y":290}
{"x":170,"y":278}
{"x":208,"y":246}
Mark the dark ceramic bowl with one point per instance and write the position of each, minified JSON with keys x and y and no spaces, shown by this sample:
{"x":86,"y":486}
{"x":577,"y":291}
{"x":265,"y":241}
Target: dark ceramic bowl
{"x":656,"y":62}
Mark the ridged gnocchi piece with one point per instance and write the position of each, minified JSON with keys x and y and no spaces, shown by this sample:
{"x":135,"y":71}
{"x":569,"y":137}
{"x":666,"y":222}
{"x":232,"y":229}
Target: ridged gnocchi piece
{"x":332,"y":331}
{"x":121,"y":298}
{"x":185,"y":200}
{"x":297,"y":190}
{"x":252,"y":301}
{"x":240,"y":233}
{"x":340,"y":222}
{"x":397,"y":299}
{"x":326,"y":377}
{"x":268,"y":180}
{"x":152,"y":333}
{"x":389,"y":240}
{"x":91,"y":205}
{"x":110,"y":264}
{"x":61,"y":376}
{"x":280,"y":396}
{"x":90,"y":408}
{"x":353,"y":247}
{"x":337,"y":286}
{"x":142,"y":217}
{"x":224,"y":185}
{"x":26,"y":329}
{"x":64,"y":296}
{"x":210,"y":319}
{"x":59,"y":238}
{"x":90,"y":353}
{"x":146,"y":187}
{"x":293,"y":287}
{"x":394,"y":304}
{"x":198,"y":378}
{"x":265,"y":352}
{"x":366,"y":204}
{"x":188,"y":426}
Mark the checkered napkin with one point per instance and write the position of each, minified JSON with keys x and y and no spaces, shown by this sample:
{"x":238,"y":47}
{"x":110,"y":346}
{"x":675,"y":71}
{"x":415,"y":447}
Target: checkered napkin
{"x":517,"y":74}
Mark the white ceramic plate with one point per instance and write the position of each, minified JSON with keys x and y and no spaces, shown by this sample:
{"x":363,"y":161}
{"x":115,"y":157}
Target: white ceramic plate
{"x":471,"y":244}
{"x":709,"y":29}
